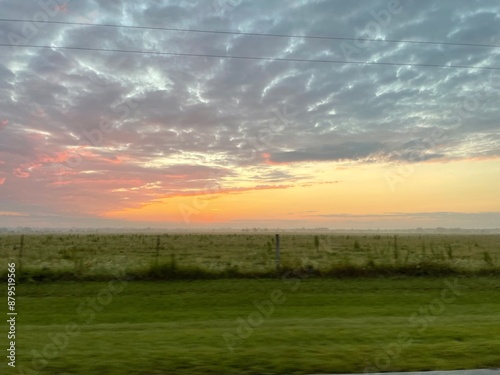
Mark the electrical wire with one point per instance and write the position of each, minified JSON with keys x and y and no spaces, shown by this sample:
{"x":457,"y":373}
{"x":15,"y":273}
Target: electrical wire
{"x":160,"y":53}
{"x":255,"y":34}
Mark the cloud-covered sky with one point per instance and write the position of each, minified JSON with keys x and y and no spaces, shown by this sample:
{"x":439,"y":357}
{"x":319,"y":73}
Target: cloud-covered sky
{"x":92,"y":138}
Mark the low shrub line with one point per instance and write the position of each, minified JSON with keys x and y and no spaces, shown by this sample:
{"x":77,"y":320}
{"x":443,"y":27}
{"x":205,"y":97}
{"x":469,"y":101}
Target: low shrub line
{"x":171,"y":271}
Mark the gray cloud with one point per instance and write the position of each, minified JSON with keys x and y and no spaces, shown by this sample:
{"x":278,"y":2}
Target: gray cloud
{"x":221,"y":115}
{"x":350,"y":150}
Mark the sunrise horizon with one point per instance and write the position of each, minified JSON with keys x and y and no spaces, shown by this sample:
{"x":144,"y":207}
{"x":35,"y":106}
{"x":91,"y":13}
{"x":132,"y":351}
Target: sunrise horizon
{"x":256,"y":117}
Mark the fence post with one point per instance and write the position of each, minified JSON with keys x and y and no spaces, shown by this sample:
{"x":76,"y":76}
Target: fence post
{"x":278,"y":258}
{"x":20,"y":259}
{"x":157,"y":249}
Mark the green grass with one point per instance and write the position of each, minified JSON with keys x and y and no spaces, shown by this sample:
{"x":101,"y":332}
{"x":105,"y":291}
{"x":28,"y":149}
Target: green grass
{"x":317,"y":326}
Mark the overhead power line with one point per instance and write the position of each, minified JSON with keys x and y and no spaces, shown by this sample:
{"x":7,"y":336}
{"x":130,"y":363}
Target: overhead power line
{"x":252,"y":57}
{"x":255,"y":34}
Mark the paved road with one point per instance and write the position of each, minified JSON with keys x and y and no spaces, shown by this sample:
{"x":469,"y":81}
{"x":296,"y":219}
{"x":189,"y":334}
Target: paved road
{"x":457,"y":372}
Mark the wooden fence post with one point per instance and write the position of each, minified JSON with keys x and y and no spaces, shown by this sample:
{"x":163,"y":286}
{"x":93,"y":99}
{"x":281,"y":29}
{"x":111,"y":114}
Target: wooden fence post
{"x":278,"y":258}
{"x":20,"y":259}
{"x":157,"y":249}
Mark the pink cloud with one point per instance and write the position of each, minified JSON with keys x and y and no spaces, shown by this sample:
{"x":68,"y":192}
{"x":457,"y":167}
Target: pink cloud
{"x":217,"y":190}
{"x":3,"y":124}
{"x":18,"y":172}
{"x":2,"y":180}
{"x":60,"y":157}
{"x":97,"y":157}
{"x":7,"y":213}
{"x":177,"y":176}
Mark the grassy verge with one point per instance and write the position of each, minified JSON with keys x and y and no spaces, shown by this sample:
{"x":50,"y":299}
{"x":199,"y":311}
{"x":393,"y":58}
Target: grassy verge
{"x":263,"y":326}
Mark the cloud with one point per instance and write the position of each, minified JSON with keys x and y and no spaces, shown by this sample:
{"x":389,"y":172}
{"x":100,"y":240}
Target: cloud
{"x":6,"y":213}
{"x":4,"y":123}
{"x":344,"y":151}
{"x":407,"y":220}
{"x":176,"y":124}
{"x":495,"y":216}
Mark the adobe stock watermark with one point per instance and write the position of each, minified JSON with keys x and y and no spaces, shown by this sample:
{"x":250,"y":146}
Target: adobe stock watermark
{"x":58,"y":342}
{"x":246,"y":325}
{"x":419,"y":321}
{"x":94,"y":137}
{"x":46,"y":10}
{"x":402,"y":170}
{"x":372,"y":30}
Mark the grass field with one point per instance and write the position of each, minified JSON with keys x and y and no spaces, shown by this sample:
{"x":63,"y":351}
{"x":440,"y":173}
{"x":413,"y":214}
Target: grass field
{"x":95,"y":256}
{"x":215,"y":304}
{"x":288,"y":326}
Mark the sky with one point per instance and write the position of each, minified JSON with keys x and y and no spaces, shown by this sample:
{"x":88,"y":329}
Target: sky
{"x":114,"y":139}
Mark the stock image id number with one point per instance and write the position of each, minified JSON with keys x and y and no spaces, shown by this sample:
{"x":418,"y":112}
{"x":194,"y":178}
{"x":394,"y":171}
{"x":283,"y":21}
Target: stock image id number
{"x":11,"y":287}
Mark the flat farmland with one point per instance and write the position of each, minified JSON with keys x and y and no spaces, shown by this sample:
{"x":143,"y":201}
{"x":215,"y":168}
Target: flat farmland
{"x":220,"y":255}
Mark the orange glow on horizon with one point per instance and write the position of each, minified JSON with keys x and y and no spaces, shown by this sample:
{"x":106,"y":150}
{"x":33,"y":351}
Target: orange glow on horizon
{"x":360,"y":190}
